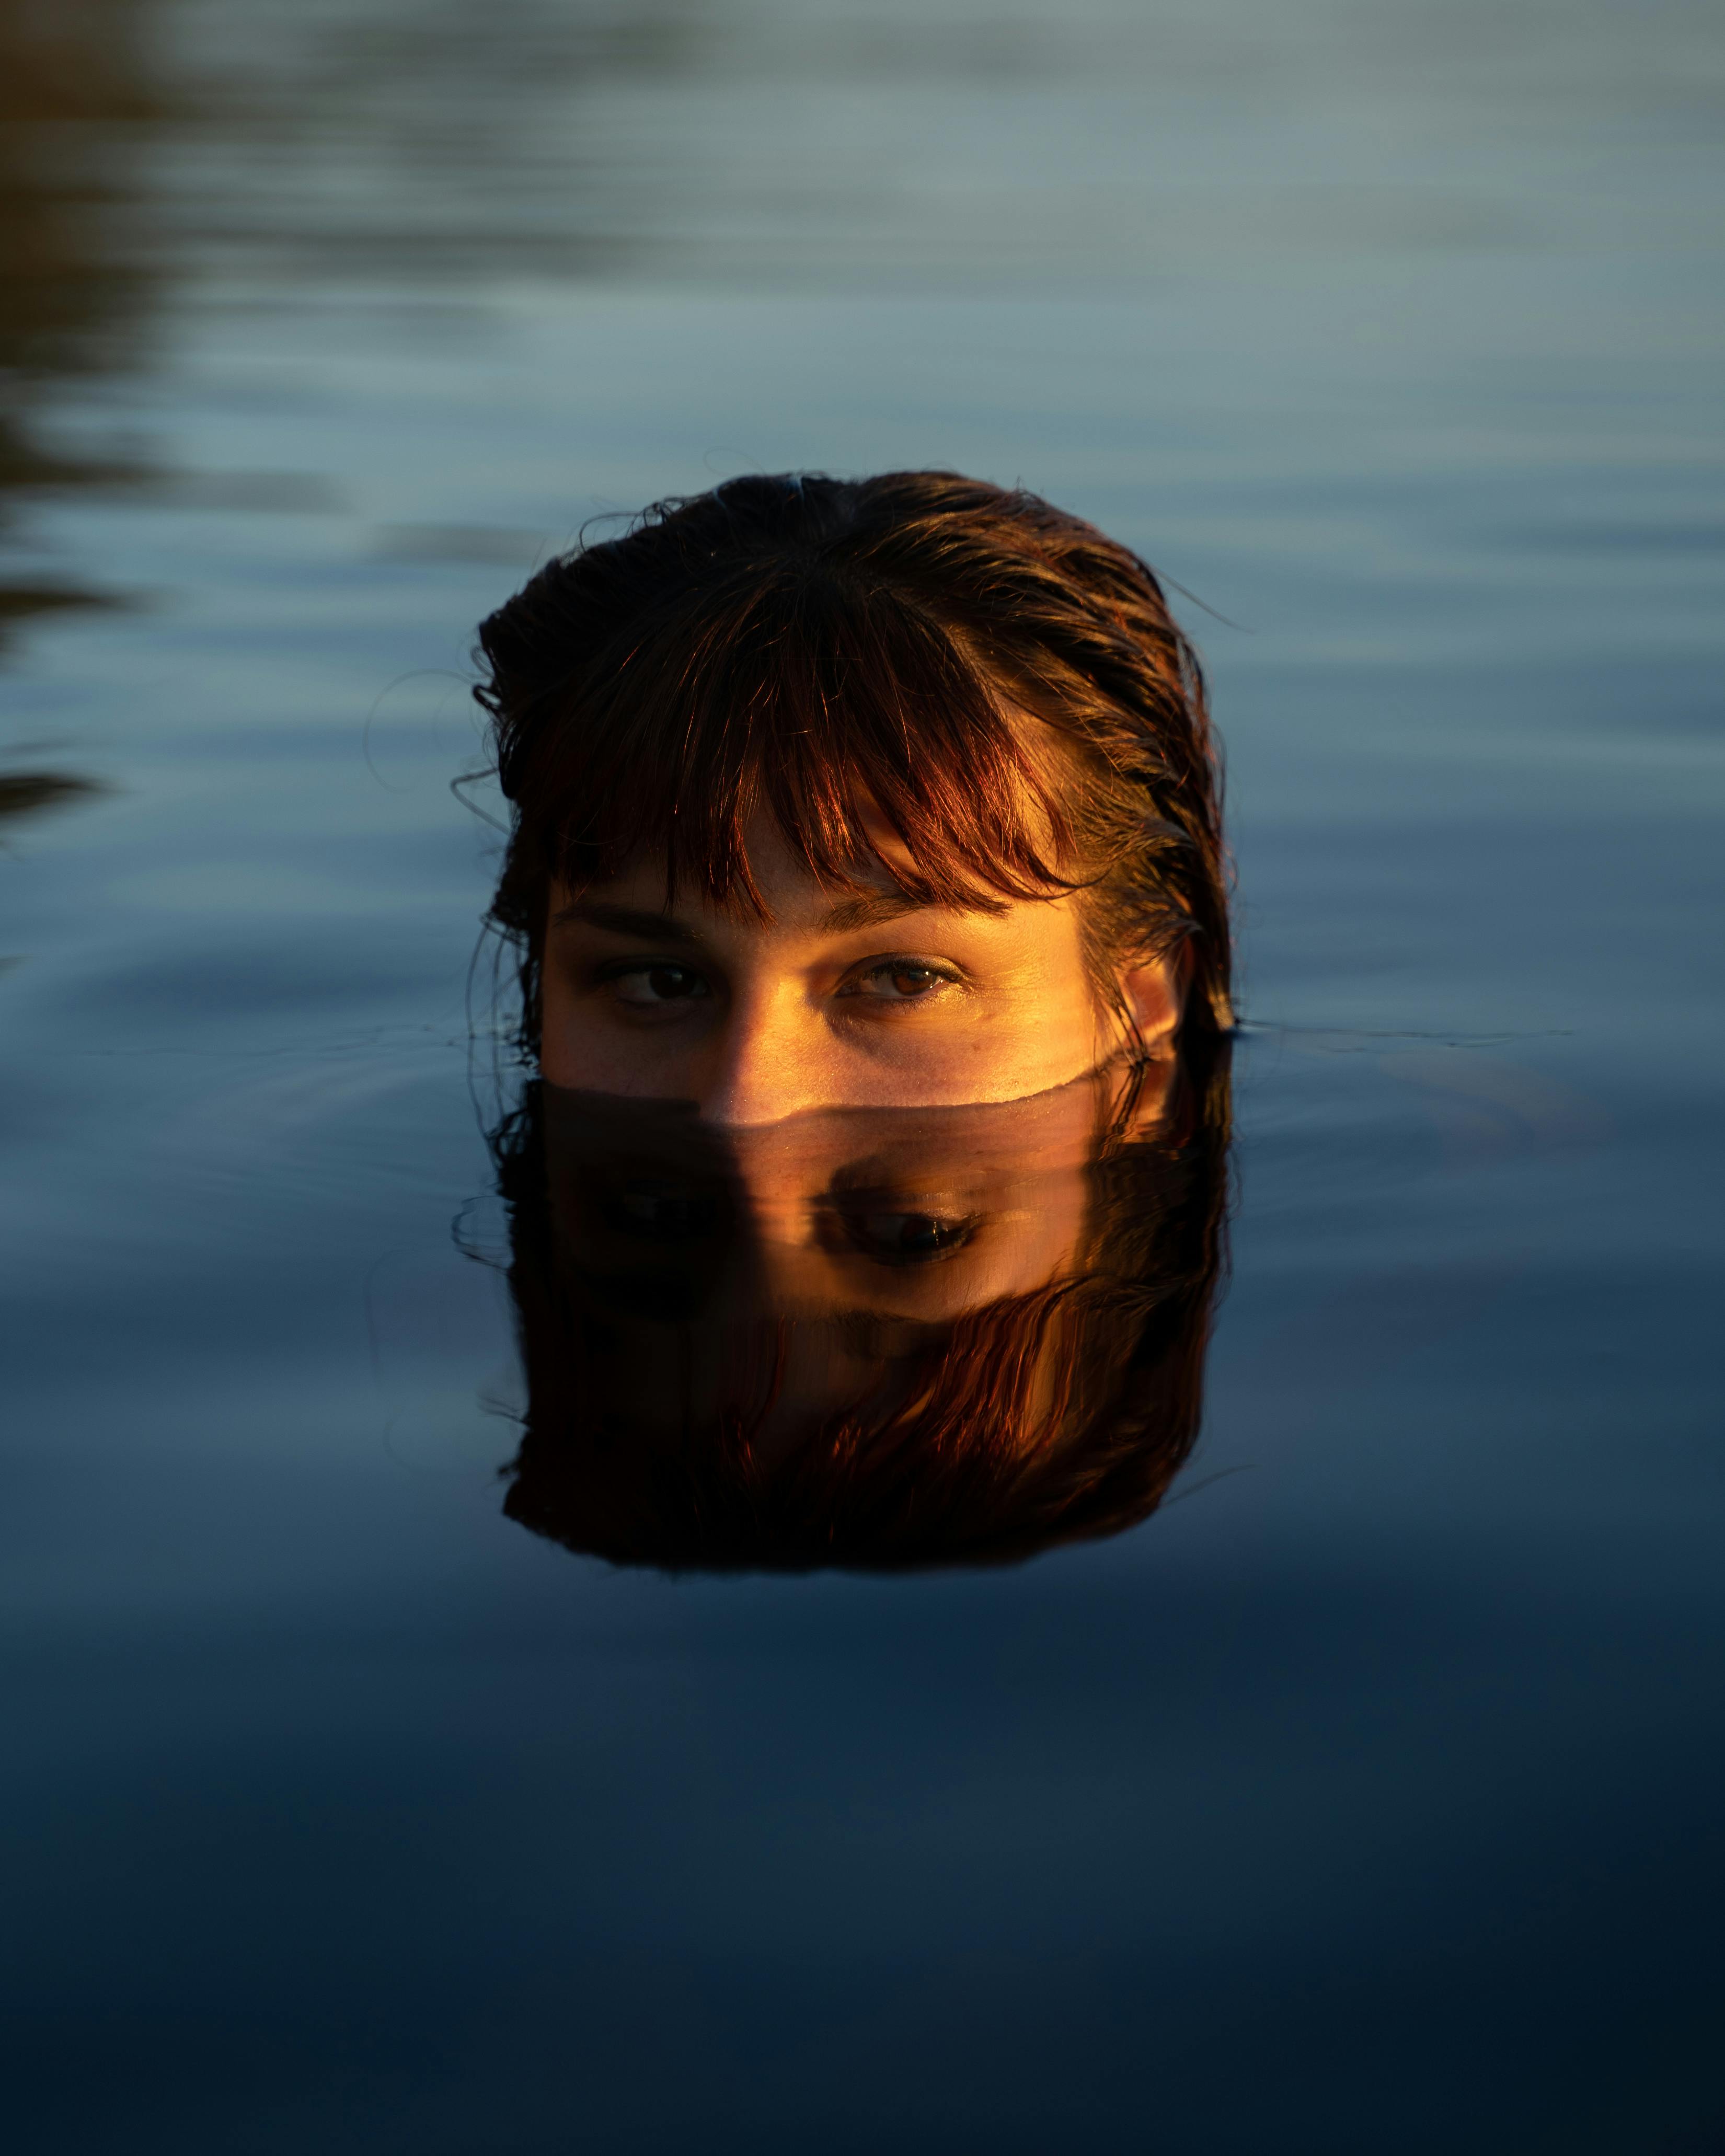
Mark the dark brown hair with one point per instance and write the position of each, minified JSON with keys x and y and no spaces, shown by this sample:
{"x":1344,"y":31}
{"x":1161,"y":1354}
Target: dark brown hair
{"x":997,"y":682}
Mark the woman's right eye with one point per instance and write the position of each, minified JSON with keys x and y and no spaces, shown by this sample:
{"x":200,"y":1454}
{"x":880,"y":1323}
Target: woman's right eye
{"x":649,"y":987}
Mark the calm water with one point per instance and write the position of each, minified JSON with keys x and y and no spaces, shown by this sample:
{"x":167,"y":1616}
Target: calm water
{"x":1366,"y":1797}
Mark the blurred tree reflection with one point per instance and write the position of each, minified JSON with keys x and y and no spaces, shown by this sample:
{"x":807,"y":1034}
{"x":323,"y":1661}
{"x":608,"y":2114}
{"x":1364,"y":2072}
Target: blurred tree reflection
{"x":74,"y":104}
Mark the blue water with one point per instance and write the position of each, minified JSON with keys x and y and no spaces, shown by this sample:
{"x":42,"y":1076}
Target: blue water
{"x":1367,"y":1797}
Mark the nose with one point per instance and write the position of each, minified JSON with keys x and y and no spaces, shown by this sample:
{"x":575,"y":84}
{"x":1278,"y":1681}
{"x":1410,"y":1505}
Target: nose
{"x":765,"y":1060}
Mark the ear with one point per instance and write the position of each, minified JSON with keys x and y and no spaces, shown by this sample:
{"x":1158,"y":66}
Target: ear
{"x":1155,"y":994}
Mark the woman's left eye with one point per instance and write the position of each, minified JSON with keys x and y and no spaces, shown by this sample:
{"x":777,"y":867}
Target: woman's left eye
{"x":899,"y":980}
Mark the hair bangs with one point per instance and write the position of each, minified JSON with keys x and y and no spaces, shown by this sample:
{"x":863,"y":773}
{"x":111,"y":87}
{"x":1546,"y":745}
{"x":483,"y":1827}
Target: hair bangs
{"x":870,"y":741}
{"x":917,"y":681}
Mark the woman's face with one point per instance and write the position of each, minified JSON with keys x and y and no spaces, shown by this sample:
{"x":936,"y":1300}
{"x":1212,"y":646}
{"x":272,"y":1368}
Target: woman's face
{"x":836,"y":1001}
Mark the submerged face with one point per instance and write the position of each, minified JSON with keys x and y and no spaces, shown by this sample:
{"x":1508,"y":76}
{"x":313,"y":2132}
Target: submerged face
{"x":837,"y":1000}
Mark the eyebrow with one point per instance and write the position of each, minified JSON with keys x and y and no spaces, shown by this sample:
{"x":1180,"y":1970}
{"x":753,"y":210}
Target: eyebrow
{"x":627,"y":920}
{"x":873,"y":906}
{"x":849,"y":913}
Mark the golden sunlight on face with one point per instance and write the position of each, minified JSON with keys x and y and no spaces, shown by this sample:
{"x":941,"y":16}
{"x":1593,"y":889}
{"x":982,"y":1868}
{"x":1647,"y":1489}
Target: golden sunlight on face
{"x":836,"y":1001}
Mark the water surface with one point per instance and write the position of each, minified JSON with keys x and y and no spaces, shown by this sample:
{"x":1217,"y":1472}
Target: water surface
{"x":1363,"y":1797}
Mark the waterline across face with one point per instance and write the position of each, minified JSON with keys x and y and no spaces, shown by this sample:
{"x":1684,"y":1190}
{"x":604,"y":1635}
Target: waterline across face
{"x":837,"y":1000}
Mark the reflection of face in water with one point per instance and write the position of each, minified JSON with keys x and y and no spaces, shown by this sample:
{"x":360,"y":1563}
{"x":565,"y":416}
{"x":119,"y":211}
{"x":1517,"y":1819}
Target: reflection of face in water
{"x":871,"y":1338}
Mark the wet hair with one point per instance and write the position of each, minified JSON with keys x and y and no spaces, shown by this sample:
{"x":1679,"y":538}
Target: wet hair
{"x":1057,"y":1415}
{"x":994,"y":683}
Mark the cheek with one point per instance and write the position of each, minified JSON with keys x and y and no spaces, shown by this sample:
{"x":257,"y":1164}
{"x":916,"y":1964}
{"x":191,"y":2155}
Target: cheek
{"x":559,"y":1005}
{"x":1040,"y":1034}
{"x":564,"y":1054}
{"x":585,"y":1045}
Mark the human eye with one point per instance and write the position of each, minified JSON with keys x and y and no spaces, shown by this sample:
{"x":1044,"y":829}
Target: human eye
{"x":900,"y":981}
{"x":892,"y":1237}
{"x":653,"y":986}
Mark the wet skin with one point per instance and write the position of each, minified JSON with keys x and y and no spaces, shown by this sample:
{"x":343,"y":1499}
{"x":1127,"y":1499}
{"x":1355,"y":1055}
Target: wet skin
{"x":837,"y":1000}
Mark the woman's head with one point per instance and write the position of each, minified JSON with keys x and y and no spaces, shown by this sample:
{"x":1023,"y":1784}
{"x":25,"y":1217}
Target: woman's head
{"x":896,"y":792}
